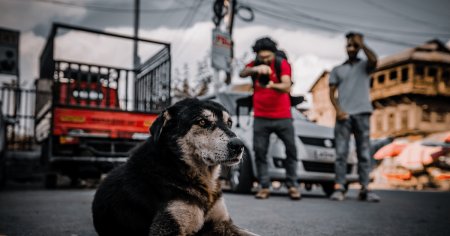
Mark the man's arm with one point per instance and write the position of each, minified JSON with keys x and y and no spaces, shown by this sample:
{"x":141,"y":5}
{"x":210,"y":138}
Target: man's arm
{"x":371,"y":56}
{"x":284,"y":86}
{"x":249,"y":71}
{"x":340,"y":114}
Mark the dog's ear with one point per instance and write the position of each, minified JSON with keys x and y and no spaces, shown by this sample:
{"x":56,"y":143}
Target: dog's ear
{"x":170,"y":113}
{"x":158,"y":125}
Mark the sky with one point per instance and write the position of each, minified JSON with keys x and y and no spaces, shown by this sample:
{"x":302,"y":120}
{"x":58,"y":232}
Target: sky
{"x":310,"y":31}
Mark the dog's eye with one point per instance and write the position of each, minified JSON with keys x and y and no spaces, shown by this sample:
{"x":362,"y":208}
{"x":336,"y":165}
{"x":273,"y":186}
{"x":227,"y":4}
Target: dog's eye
{"x":202,"y":123}
{"x":229,"y":123}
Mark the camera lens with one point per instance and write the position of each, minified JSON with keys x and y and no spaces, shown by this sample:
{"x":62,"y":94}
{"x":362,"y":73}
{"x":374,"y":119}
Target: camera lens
{"x":263,"y":80}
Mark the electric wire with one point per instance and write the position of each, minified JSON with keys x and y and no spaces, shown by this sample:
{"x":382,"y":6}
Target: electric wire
{"x":322,"y":24}
{"x":401,"y":14}
{"x":113,"y":9}
{"x":187,"y":38}
{"x":295,"y":9}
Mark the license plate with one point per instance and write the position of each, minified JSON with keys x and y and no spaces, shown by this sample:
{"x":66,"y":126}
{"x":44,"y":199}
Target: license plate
{"x":324,"y":155}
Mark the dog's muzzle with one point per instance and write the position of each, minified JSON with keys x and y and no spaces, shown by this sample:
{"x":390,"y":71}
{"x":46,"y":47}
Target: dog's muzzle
{"x":235,"y":146}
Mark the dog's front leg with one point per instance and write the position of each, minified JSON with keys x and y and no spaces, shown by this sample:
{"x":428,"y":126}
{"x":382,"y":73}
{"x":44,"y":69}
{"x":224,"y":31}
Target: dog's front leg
{"x":179,"y":218}
{"x":218,"y":222}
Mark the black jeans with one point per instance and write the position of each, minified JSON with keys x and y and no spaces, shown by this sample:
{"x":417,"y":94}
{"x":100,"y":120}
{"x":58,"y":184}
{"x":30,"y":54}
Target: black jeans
{"x":284,"y":129}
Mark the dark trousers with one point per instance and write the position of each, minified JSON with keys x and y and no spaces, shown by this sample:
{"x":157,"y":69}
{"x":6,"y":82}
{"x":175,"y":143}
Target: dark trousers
{"x":359,"y":125}
{"x":284,"y":129}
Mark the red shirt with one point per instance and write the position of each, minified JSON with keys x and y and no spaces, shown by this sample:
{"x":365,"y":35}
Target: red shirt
{"x":269,"y":103}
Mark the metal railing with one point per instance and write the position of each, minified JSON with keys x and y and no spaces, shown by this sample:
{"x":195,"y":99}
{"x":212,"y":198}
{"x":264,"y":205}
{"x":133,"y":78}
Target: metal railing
{"x":145,"y":88}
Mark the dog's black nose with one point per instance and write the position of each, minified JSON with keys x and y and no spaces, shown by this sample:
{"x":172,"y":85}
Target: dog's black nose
{"x":235,"y":145}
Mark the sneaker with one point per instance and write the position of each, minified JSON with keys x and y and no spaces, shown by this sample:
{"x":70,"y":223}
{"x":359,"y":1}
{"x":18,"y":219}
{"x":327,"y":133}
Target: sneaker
{"x":338,"y":195}
{"x":368,"y":196}
{"x":263,"y":193}
{"x":294,"y":194}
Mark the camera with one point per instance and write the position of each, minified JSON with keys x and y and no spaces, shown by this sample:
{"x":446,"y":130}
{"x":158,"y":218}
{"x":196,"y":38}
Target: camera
{"x":263,"y":79}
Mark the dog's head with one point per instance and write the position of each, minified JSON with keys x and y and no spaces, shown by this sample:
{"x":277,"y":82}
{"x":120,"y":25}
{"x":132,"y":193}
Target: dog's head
{"x":199,"y":131}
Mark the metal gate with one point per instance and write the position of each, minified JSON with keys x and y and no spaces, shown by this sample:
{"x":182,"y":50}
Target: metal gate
{"x":18,"y":107}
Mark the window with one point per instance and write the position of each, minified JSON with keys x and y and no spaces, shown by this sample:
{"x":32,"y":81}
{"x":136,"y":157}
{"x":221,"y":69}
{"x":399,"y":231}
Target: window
{"x":440,"y":116}
{"x":371,"y":81}
{"x":432,"y":72}
{"x":419,"y":71}
{"x":379,"y":123}
{"x":391,"y":122}
{"x":380,"y":79}
{"x":446,"y":77}
{"x":405,"y":75}
{"x":393,"y":75}
{"x":404,"y":122}
{"x":426,"y":115}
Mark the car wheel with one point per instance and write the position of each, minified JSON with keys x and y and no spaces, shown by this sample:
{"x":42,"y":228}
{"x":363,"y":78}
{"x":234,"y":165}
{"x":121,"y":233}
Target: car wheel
{"x":241,"y":176}
{"x":328,"y":188}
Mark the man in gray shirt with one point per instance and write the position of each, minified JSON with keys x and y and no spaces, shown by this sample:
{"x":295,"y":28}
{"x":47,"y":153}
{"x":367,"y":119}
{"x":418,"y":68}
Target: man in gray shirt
{"x":353,"y":109}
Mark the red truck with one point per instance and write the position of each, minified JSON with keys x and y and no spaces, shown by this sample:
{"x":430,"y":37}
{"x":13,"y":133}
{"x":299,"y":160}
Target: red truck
{"x":90,"y":117}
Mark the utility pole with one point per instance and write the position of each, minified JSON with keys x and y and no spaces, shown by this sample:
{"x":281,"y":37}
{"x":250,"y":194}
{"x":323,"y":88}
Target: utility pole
{"x":230,"y":30}
{"x":136,"y":60}
{"x":223,"y":57}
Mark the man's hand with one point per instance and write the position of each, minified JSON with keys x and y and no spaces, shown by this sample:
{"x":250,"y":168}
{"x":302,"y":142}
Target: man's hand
{"x":262,"y":70}
{"x":341,"y":115}
{"x":359,"y":40}
{"x":270,"y":84}
{"x":371,"y":56}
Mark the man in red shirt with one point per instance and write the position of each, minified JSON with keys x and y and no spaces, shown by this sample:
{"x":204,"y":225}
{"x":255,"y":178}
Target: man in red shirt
{"x":272,"y":112}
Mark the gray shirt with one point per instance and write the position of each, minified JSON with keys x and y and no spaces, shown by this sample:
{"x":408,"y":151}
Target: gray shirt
{"x":353,"y":84}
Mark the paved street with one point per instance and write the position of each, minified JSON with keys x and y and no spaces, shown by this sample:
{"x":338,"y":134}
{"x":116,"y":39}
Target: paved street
{"x":67,"y":212}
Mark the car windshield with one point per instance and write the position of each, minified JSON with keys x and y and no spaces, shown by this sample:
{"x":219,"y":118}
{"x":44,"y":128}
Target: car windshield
{"x":228,"y":100}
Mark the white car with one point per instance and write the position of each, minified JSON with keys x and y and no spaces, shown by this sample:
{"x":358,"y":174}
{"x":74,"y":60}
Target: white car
{"x":315,"y":150}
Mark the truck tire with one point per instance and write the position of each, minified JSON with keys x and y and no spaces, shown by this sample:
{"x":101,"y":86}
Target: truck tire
{"x":2,"y":171}
{"x":241,"y":176}
{"x":45,"y":152}
{"x":2,"y":152}
{"x":50,"y":180}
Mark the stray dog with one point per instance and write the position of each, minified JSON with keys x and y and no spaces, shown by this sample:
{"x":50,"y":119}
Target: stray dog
{"x":170,"y":185}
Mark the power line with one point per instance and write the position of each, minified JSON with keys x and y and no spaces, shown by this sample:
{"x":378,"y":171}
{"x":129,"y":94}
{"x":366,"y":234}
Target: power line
{"x":366,"y":27}
{"x":337,"y":27}
{"x":185,"y":40}
{"x":112,"y":9}
{"x":285,"y":18}
{"x":401,"y":14}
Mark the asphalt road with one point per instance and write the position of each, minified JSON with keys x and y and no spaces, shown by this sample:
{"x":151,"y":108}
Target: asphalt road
{"x":67,"y":212}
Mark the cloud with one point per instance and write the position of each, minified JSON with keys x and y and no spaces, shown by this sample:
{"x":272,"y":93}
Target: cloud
{"x":308,"y":53}
{"x":27,"y":15}
{"x":30,"y":50}
{"x":307,"y":69}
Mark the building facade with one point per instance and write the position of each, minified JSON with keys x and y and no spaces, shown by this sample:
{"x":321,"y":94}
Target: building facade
{"x":322,"y":111}
{"x":410,"y":92}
